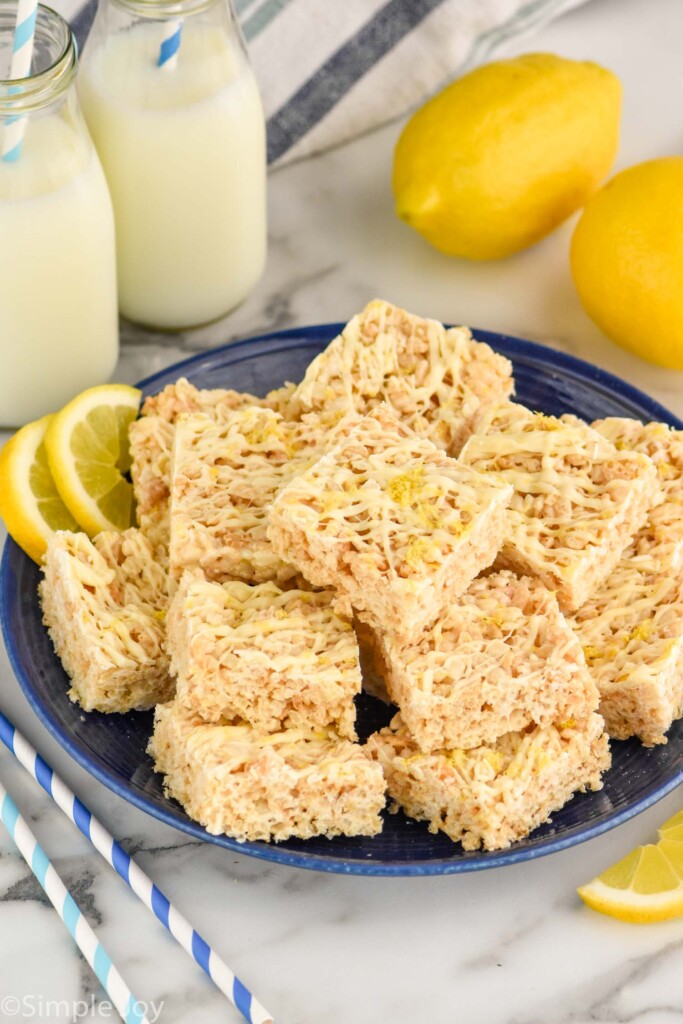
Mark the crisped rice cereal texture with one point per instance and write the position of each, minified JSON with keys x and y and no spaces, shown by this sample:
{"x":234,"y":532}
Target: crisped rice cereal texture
{"x":495,"y":794}
{"x":391,"y":523}
{"x":437,"y":379}
{"x":502,"y":657}
{"x":151,"y":445}
{"x":631,"y":628}
{"x":275,"y":659}
{"x":226,"y":472}
{"x":251,"y":785}
{"x":104,"y":605}
{"x":577,"y":501}
{"x":183,"y":397}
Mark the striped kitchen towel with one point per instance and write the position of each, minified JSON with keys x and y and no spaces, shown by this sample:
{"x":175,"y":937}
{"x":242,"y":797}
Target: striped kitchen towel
{"x":332,"y":69}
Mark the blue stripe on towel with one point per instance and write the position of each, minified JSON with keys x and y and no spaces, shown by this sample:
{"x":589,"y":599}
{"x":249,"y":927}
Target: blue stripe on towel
{"x":345,"y":67}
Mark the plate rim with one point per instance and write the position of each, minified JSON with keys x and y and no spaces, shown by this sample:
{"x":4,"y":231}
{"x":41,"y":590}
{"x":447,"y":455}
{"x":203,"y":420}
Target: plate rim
{"x":574,"y":364}
{"x":273,"y":852}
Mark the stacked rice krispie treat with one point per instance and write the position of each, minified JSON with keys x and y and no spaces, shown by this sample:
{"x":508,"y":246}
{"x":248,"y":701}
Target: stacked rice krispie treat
{"x":395,"y":526}
{"x":104,"y":604}
{"x":151,"y":445}
{"x":577,"y":501}
{"x":393,"y":522}
{"x":258,"y":742}
{"x":437,"y":379}
{"x":631,"y":627}
{"x":255,"y":785}
{"x":485,"y":669}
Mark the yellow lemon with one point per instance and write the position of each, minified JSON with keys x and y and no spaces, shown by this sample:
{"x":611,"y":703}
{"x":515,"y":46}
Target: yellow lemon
{"x":647,"y":885}
{"x":29,"y":502}
{"x":88,"y":455}
{"x":673,"y":828}
{"x":502,"y":156}
{"x":627,"y":260}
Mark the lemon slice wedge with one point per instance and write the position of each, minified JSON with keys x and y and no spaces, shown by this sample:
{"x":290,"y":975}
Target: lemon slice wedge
{"x":647,"y":885}
{"x":673,"y":828}
{"x":88,"y":455}
{"x":29,"y":500}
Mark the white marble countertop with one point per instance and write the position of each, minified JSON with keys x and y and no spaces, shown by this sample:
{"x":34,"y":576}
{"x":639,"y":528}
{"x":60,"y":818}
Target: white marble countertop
{"x":506,"y":946}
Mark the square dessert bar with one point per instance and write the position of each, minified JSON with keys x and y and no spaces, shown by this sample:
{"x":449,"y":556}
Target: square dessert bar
{"x":151,"y":445}
{"x":183,"y":397}
{"x":225,"y":473}
{"x":252,"y":785}
{"x":438,"y":380}
{"x":632,"y":626}
{"x":577,"y":501}
{"x":275,"y":659}
{"x":391,"y":523}
{"x":631,"y":630}
{"x":495,"y":794}
{"x":499,"y":659}
{"x":104,"y":605}
{"x":660,"y":442}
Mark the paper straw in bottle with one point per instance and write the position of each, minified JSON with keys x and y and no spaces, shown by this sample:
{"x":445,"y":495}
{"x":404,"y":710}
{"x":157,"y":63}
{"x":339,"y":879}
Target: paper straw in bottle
{"x":20,"y":67}
{"x":170,"y":44}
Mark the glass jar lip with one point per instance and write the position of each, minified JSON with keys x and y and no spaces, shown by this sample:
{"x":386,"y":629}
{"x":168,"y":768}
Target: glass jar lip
{"x":19,"y":95}
{"x":164,"y":9}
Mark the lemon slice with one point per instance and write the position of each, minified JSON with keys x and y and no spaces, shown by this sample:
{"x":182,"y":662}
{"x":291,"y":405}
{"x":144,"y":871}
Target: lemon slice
{"x":647,"y":885}
{"x":673,"y":828}
{"x":88,"y":454}
{"x":29,"y":501}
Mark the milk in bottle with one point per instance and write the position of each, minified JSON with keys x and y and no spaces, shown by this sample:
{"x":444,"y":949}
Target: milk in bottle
{"x":183,"y":150}
{"x":58,"y":318}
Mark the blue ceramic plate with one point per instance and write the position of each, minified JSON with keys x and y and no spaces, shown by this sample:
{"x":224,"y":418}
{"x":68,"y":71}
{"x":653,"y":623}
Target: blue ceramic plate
{"x":112,"y":747}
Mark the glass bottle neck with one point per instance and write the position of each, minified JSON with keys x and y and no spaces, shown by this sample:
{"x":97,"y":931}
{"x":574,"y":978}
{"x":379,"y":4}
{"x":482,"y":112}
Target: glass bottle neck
{"x":160,"y":10}
{"x":53,"y":66}
{"x":211,"y":24}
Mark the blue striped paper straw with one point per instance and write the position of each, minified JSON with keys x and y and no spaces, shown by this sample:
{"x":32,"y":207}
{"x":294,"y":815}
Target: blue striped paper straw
{"x":61,"y":899}
{"x":133,"y":876}
{"x":20,"y":67}
{"x":170,"y":44}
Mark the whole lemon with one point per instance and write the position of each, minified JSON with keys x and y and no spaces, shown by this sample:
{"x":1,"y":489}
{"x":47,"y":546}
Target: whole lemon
{"x":627,"y":260}
{"x":502,"y":156}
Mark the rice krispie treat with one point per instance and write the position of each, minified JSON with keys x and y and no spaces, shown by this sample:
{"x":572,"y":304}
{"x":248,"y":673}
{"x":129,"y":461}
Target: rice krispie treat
{"x":577,"y":500}
{"x":225,"y":473}
{"x":252,"y":785}
{"x":104,"y":605}
{"x":495,"y":794}
{"x":632,"y":626}
{"x":664,"y":446}
{"x":276,"y":659}
{"x":632,"y":635}
{"x":662,"y":443}
{"x":391,"y":523}
{"x":151,"y":445}
{"x":499,"y":659}
{"x":438,"y":380}
{"x":182,"y":397}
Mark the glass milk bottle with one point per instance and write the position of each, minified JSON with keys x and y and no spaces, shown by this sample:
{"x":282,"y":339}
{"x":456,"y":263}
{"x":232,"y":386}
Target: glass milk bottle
{"x":58,"y":318}
{"x":175,"y":113}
